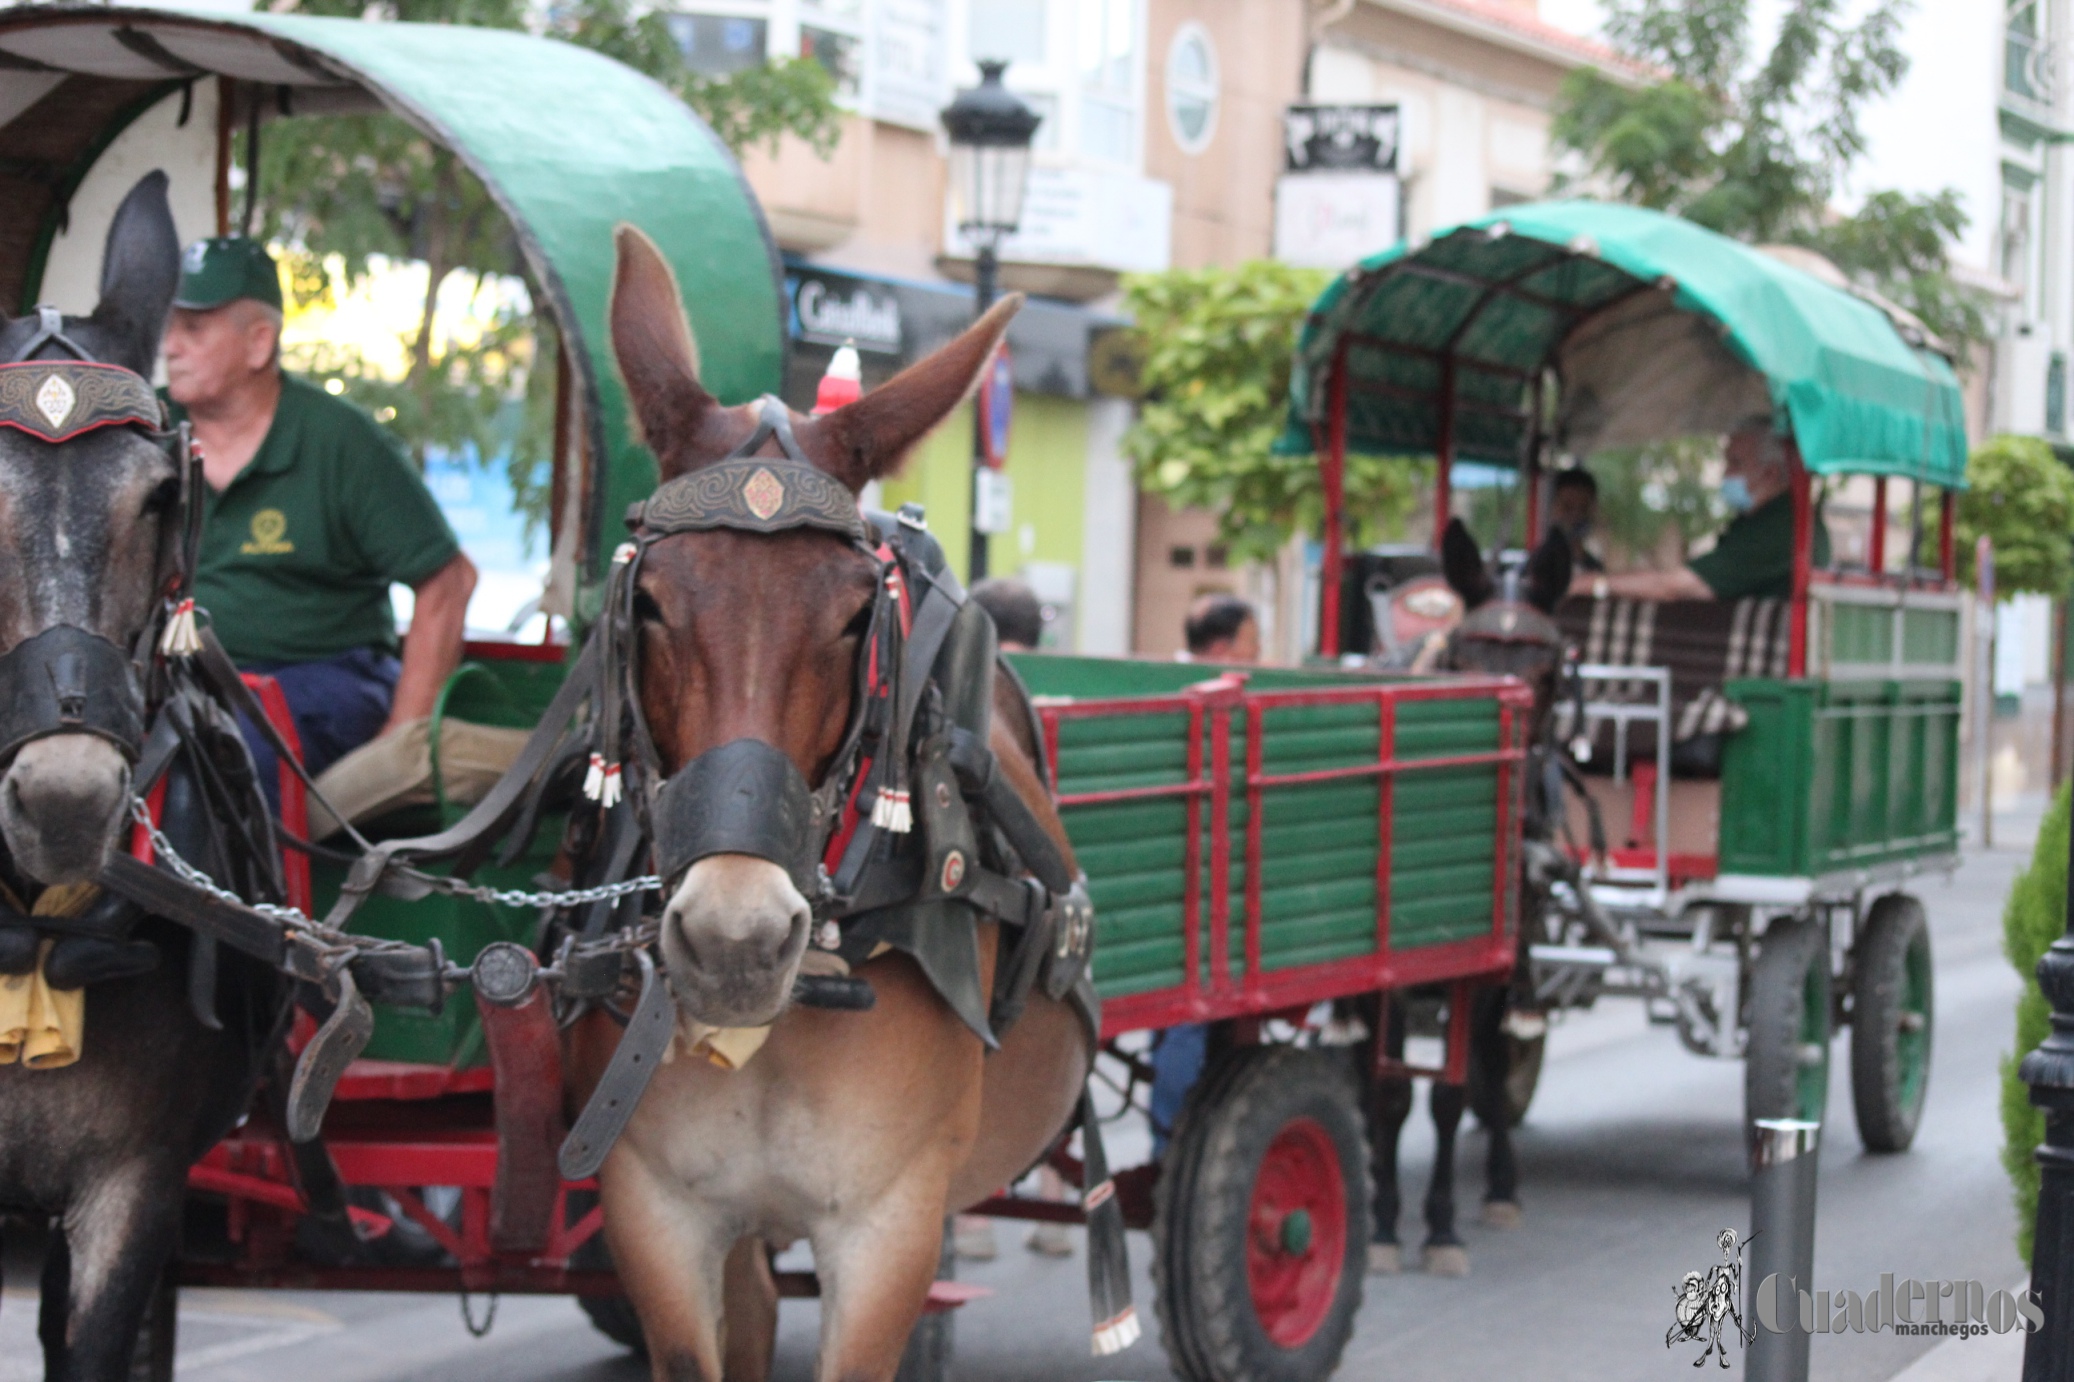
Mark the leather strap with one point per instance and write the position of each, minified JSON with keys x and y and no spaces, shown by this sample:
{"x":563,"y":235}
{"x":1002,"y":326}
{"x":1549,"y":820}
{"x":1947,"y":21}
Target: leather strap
{"x":339,"y":1040}
{"x":626,"y":1077}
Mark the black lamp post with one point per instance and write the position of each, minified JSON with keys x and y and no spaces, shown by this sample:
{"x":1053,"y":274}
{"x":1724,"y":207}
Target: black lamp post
{"x":2049,"y":1071}
{"x":990,"y":131}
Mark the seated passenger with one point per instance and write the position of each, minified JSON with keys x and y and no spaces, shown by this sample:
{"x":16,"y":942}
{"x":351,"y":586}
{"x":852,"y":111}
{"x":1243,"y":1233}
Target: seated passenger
{"x":312,"y":512}
{"x":1753,"y":557}
{"x":1574,"y":508}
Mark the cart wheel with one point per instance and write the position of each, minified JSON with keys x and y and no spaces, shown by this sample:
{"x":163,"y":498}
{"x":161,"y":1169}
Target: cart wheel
{"x":1786,"y":1064}
{"x":1260,"y":1223}
{"x":614,"y":1317}
{"x":1890,"y":1023}
{"x":158,"y":1332}
{"x":928,"y":1355}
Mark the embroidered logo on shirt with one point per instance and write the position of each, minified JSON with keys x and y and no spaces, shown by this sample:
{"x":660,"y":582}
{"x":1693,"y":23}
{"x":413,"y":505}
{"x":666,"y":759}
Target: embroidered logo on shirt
{"x":269,"y":527}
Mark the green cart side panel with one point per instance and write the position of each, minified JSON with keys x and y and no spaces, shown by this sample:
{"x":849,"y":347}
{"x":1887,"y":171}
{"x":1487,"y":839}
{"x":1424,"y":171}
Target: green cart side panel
{"x":507,"y":694}
{"x":1318,"y":840}
{"x":1930,"y":635}
{"x":1830,"y":776}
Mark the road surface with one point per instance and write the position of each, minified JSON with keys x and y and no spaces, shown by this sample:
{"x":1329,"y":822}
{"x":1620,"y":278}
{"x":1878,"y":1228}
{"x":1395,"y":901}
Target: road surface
{"x":1631,"y":1163}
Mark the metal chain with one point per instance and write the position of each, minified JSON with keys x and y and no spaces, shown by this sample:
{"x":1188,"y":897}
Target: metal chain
{"x":290,"y":916}
{"x":512,"y":897}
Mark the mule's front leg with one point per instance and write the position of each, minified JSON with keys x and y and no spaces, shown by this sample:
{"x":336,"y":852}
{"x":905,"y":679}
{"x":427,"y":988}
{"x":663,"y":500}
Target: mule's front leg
{"x":119,"y":1233}
{"x":875,"y":1272}
{"x":670,"y":1252}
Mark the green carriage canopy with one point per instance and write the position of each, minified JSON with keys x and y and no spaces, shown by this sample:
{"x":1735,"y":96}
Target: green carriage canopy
{"x":569,"y":142}
{"x":1656,"y":328}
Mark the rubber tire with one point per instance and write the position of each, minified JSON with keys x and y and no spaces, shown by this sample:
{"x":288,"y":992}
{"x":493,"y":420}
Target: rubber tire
{"x":1203,"y":1197}
{"x":614,"y":1317}
{"x":1523,"y":1057}
{"x":1887,"y":1118}
{"x":1789,"y":993}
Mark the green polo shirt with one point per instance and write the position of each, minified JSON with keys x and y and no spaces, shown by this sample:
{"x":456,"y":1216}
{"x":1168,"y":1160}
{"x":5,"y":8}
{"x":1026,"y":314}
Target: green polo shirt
{"x":1753,"y":557}
{"x":298,"y":554}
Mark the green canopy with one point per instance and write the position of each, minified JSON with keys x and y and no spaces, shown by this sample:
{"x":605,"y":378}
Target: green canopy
{"x":1656,"y":328}
{"x":568,"y":141}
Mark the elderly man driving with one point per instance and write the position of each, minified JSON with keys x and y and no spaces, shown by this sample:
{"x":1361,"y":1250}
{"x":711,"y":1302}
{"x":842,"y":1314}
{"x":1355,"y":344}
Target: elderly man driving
{"x":312,"y":513}
{"x":1753,"y":557}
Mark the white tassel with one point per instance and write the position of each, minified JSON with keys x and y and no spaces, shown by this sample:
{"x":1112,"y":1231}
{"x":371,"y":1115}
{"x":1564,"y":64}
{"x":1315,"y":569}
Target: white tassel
{"x":623,"y":553}
{"x":609,"y":790}
{"x":181,"y":638}
{"x":892,"y":812}
{"x":594,"y":778}
{"x":1116,"y":1335}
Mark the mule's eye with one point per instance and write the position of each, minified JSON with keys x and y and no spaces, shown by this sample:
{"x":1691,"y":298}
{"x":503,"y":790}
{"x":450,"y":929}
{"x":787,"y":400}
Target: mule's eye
{"x":646,"y":610}
{"x":163,"y":497}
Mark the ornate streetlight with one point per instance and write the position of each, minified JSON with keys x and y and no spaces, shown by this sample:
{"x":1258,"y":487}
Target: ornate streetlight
{"x":2049,"y":1071}
{"x":990,"y":131}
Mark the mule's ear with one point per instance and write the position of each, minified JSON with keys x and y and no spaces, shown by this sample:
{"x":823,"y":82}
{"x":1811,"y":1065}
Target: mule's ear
{"x":867,"y":440}
{"x":651,"y":338}
{"x":1462,"y":563}
{"x":140,"y":269}
{"x":1548,"y":572}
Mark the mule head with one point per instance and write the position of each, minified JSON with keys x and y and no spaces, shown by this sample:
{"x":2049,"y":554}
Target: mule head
{"x":1508,"y":629}
{"x":84,"y":531}
{"x":755,"y":636}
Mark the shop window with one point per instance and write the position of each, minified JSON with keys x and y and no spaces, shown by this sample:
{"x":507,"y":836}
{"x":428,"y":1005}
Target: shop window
{"x":1183,"y":557}
{"x":842,"y":54}
{"x":717,"y":45}
{"x":1192,"y":88}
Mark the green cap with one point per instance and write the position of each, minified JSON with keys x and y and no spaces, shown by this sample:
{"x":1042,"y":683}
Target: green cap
{"x":229,"y":267}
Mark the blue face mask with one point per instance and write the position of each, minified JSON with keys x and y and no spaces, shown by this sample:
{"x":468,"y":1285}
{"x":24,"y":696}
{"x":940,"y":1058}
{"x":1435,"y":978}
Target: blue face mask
{"x":1735,"y":492}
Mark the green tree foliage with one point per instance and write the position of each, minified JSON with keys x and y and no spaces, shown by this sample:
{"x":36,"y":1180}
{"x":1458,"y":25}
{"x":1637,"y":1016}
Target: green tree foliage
{"x":1217,"y":345}
{"x":2034,"y":917}
{"x":2022,"y":498}
{"x":346,"y":193}
{"x":1756,"y":145}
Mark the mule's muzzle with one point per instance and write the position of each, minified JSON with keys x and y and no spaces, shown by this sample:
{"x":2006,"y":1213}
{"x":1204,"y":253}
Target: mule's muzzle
{"x":67,"y":680}
{"x":744,"y":797}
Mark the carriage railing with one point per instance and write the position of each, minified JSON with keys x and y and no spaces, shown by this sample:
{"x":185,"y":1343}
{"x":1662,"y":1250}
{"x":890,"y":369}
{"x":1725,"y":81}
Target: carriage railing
{"x":1211,"y":987}
{"x":1622,"y":706}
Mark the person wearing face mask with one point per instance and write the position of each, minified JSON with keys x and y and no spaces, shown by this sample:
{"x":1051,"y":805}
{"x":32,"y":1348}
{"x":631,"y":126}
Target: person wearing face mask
{"x":1753,"y":557}
{"x":1574,"y":510}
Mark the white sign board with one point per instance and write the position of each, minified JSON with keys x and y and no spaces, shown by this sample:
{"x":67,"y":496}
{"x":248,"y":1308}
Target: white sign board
{"x":993,"y":501}
{"x":1332,"y":220}
{"x":908,"y":84}
{"x":1088,"y":217}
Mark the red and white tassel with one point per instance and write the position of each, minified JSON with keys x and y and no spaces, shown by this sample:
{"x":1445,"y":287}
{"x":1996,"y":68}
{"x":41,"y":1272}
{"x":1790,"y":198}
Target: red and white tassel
{"x":601,"y":781}
{"x":624,"y":553}
{"x":892,"y":812}
{"x":1116,"y":1335}
{"x":182,"y":638}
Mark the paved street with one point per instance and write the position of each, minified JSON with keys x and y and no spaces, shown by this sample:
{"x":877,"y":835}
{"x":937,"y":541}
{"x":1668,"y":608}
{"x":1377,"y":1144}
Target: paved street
{"x":1631,"y":1164}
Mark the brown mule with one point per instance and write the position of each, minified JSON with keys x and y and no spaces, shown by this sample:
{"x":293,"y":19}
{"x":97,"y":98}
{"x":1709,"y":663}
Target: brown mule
{"x":857,"y":1131}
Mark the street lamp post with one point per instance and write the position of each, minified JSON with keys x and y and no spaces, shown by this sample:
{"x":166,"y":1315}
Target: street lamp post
{"x":990,"y":131}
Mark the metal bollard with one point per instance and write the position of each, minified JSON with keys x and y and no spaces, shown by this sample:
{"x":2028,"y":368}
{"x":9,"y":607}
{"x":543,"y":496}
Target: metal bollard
{"x":1783,"y":1163}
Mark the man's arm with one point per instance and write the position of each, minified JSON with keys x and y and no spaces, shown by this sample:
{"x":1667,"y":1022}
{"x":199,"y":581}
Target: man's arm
{"x":432,"y":648}
{"x":1679,"y":583}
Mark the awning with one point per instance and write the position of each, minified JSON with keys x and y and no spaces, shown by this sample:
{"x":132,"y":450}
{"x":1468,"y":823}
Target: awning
{"x":1656,"y":327}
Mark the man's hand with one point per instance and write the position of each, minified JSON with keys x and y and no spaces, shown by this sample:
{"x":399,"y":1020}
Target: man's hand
{"x":1679,"y":583}
{"x":432,"y":648}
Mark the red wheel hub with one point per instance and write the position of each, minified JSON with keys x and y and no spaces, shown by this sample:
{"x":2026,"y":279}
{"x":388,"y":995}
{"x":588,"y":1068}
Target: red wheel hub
{"x":1296,"y":1233}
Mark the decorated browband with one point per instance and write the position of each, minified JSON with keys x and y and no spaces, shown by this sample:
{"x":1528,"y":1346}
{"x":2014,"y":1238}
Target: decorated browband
{"x":57,"y":400}
{"x":754,"y":494}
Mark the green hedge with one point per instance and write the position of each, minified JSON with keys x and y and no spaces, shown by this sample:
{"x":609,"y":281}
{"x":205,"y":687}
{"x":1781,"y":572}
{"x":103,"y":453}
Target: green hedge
{"x":2035,"y":917}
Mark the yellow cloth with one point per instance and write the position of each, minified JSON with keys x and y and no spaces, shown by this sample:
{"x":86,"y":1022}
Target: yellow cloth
{"x":42,"y":1027}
